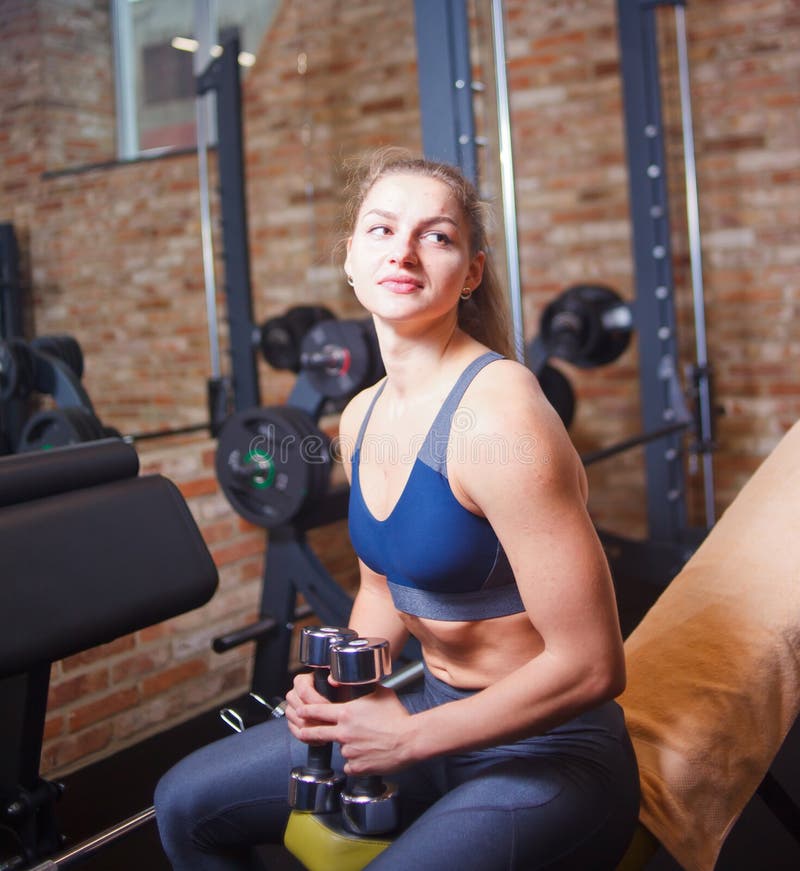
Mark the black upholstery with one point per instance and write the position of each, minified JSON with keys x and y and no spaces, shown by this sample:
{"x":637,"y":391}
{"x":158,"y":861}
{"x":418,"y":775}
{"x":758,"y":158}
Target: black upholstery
{"x":44,"y":473}
{"x":84,"y":566}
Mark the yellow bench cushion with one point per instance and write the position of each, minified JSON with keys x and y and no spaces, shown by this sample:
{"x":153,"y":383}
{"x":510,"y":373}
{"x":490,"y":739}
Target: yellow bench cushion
{"x":320,"y":847}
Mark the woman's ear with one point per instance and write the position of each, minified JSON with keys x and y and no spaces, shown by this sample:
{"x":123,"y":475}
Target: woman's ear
{"x":347,"y":257}
{"x":475,"y":272}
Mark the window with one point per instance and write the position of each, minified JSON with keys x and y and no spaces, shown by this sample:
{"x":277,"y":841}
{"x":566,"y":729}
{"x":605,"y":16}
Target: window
{"x":158,"y":49}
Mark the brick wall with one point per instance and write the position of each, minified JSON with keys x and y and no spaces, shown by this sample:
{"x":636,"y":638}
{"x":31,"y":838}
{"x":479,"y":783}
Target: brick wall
{"x":112,"y":255}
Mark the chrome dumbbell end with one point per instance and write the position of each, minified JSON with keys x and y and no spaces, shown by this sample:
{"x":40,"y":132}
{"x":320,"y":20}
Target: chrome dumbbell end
{"x":315,"y":792}
{"x":361,"y":662}
{"x":371,"y":814}
{"x":316,"y":643}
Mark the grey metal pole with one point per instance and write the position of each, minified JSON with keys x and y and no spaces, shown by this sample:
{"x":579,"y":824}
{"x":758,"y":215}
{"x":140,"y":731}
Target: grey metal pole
{"x":507,"y":178}
{"x":205,"y":236}
{"x":124,"y":81}
{"x":696,"y":260}
{"x":205,"y":26}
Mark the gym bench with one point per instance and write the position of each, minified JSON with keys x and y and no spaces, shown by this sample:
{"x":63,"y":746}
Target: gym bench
{"x":90,"y":551}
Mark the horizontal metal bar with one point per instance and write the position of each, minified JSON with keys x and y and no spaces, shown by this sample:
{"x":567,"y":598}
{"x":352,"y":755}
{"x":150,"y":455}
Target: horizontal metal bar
{"x":634,"y":441}
{"x":90,"y":846}
{"x":404,"y":676}
{"x":161,"y":433}
{"x":254,"y":631}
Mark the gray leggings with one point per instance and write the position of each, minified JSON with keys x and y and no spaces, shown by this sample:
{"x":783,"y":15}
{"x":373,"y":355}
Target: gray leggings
{"x":568,"y":799}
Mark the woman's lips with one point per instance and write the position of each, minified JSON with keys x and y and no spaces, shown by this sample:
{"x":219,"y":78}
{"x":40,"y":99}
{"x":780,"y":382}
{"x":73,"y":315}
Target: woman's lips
{"x":400,"y":284}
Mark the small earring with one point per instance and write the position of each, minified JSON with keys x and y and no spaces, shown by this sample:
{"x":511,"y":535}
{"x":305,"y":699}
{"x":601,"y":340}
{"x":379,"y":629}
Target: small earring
{"x":465,"y":294}
{"x":350,"y":280}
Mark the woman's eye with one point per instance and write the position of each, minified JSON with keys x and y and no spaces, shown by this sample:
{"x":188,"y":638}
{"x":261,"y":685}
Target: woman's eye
{"x":438,"y":237}
{"x":379,"y":230}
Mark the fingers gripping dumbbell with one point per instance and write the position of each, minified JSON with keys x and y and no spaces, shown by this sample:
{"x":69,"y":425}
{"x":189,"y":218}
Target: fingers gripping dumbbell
{"x":315,"y":786}
{"x":369,"y":805}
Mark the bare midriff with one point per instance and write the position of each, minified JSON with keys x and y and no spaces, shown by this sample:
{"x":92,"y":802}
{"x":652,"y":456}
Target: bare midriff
{"x":475,"y":654}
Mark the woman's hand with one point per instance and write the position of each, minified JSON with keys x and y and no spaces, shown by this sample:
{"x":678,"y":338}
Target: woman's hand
{"x":373,"y":731}
{"x":298,"y":699}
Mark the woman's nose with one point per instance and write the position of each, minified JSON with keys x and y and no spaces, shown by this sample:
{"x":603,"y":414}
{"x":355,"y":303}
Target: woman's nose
{"x":402,"y":250}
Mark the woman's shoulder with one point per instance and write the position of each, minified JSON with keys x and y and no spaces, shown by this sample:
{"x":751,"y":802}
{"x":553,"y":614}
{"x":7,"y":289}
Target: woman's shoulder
{"x":352,"y":417}
{"x":510,"y":419}
{"x":506,"y":396}
{"x":506,"y":384}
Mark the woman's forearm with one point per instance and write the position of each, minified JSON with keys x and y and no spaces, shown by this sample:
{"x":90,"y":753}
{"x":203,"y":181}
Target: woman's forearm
{"x":529,"y":701}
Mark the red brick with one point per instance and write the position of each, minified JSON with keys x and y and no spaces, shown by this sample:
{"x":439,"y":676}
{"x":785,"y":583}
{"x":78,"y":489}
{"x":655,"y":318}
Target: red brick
{"x":103,"y":708}
{"x":199,"y":487}
{"x":97,"y":654}
{"x":67,"y":691}
{"x":65,"y":751}
{"x":242,"y":547}
{"x":177,"y":674}
{"x":139,"y":664}
{"x":53,"y":727}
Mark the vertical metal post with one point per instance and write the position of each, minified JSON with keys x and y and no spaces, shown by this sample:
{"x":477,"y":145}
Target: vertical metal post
{"x":13,"y":412}
{"x":124,"y":81}
{"x":448,"y":125}
{"x":507,"y":178}
{"x":205,"y":32}
{"x":207,"y":247}
{"x":705,"y":436}
{"x":10,"y":293}
{"x":222,"y":76}
{"x":445,"y":83}
{"x":654,"y":306}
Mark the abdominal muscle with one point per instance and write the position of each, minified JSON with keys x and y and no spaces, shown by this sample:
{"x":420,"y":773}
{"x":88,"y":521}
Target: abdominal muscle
{"x":475,"y":654}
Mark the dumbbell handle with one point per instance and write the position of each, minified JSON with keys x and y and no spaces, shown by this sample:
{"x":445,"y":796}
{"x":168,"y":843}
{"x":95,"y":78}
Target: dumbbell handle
{"x":364,"y":784}
{"x":368,"y":804}
{"x":320,"y":755}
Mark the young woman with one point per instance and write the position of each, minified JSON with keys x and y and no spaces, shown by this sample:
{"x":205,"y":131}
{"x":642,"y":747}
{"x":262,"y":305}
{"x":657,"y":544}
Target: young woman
{"x":468,"y":515}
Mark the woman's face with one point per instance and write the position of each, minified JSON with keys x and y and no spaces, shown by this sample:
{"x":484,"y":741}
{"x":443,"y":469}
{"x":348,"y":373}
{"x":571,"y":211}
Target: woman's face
{"x":409,"y":253}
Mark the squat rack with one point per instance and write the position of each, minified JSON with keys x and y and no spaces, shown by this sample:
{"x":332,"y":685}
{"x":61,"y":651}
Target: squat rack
{"x":448,"y":128}
{"x":449,"y":134}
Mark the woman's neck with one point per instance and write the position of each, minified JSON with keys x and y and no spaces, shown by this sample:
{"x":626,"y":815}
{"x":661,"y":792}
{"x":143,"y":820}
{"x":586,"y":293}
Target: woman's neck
{"x":413,"y":362}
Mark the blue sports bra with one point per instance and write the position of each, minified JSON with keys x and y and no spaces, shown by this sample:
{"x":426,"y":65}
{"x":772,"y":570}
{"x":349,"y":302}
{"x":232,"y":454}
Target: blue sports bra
{"x":441,"y":561}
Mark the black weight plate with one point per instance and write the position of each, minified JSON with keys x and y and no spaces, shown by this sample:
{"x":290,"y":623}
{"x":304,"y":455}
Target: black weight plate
{"x":260,"y":468}
{"x":92,"y":426}
{"x":53,"y":428}
{"x":559,"y":393}
{"x":333,"y":336}
{"x":572,"y":326}
{"x":16,"y":370}
{"x":66,"y":348}
{"x":314,"y":448}
{"x":281,"y":337}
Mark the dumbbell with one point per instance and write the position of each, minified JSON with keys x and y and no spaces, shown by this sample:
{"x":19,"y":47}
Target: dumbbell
{"x":368,"y":804}
{"x":315,"y":786}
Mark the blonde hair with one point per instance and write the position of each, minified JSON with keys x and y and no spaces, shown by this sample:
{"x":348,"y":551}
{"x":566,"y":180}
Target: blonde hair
{"x":485,"y":315}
